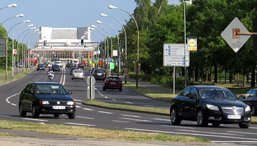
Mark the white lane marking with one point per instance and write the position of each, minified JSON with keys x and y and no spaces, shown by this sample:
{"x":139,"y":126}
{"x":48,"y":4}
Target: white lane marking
{"x":157,"y":119}
{"x":253,"y":127}
{"x":29,"y":119}
{"x":137,"y":120}
{"x":118,"y":121}
{"x":77,"y":106}
{"x":61,"y":77}
{"x":81,"y":117}
{"x":103,"y":112}
{"x":181,"y":127}
{"x":64,"y":77}
{"x":88,"y":109}
{"x":202,"y":132}
{"x":42,"y":123}
{"x":79,"y":103}
{"x":105,"y":97}
{"x":246,"y":133}
{"x":194,"y":134}
{"x":131,"y":116}
{"x":77,"y":100}
{"x":8,"y":98}
{"x":129,"y":102}
{"x":234,"y":141}
{"x":80,"y":124}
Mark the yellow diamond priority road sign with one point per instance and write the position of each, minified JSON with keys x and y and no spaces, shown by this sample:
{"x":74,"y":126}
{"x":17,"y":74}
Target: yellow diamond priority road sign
{"x":232,"y":37}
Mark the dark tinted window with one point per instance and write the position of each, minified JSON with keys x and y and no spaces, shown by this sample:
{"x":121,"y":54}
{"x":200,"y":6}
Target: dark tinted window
{"x":217,"y":94}
{"x":49,"y":89}
{"x":113,"y":79}
{"x":185,"y":92}
{"x":99,"y":71}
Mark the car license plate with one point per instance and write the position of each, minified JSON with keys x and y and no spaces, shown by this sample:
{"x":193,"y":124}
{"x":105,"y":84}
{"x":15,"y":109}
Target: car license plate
{"x":58,"y":107}
{"x":99,"y":74}
{"x":234,"y":117}
{"x":113,"y":83}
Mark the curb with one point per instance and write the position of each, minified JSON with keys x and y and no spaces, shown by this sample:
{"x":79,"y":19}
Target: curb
{"x":121,"y":109}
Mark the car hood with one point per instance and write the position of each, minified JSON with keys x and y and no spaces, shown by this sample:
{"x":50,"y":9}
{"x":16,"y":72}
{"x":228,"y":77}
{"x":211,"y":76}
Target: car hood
{"x":225,"y":103}
{"x":54,"y":97}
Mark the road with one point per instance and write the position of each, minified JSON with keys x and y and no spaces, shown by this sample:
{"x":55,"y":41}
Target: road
{"x":116,"y":119}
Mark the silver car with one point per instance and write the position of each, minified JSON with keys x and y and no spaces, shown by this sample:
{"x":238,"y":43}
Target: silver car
{"x":77,"y":74}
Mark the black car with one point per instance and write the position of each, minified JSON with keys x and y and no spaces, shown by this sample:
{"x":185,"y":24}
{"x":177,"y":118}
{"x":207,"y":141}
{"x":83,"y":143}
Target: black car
{"x":46,"y":98}
{"x":72,"y":69}
{"x":99,"y":74}
{"x":41,"y":67}
{"x":250,"y":98}
{"x":209,"y":104}
{"x":56,"y":67}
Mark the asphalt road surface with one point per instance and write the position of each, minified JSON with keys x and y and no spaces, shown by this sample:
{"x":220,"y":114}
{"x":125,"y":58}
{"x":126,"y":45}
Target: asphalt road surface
{"x":116,"y":119}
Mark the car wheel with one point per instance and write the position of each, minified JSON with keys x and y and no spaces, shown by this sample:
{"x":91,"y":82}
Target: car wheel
{"x":104,"y":89}
{"x":120,"y":89}
{"x":72,"y":78}
{"x":215,"y":124}
{"x":35,"y":113}
{"x":71,"y":116}
{"x":175,"y":120}
{"x":241,"y":125}
{"x":22,"y":113}
{"x":201,"y":121}
{"x":57,"y":115}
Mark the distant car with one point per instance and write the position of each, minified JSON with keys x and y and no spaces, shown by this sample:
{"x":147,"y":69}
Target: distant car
{"x":77,"y":74}
{"x":209,"y":104}
{"x":112,"y":83}
{"x":81,"y":65}
{"x":56,"y":67}
{"x":99,"y":74}
{"x":46,"y":98}
{"x":91,"y":71}
{"x":72,"y":69}
{"x":41,"y":67}
{"x":250,"y":98}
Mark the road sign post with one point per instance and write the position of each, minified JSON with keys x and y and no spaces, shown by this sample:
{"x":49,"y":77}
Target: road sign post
{"x":90,"y":88}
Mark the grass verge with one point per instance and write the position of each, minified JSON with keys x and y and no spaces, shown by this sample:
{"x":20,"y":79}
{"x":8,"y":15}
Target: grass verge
{"x":17,"y":76}
{"x":7,"y":134}
{"x":88,"y":132}
{"x":149,"y":93}
{"x":164,"y":111}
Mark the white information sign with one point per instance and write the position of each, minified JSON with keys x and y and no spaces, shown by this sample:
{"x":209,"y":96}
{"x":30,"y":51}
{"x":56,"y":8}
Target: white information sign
{"x":173,"y":55}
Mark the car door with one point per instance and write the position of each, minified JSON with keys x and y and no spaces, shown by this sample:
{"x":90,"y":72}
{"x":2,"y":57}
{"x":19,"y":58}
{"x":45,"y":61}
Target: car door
{"x":25,"y":96}
{"x":192,"y":103}
{"x":249,"y":97}
{"x":183,"y":103}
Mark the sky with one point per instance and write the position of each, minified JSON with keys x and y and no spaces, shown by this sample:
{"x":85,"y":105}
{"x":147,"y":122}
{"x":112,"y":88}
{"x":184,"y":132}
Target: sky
{"x":65,"y":13}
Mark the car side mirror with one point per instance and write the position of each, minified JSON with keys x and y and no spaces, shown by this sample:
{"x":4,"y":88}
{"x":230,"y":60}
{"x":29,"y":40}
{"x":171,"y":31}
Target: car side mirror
{"x":69,"y":92}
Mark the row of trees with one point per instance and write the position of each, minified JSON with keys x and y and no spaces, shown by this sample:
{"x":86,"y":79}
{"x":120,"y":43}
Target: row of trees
{"x":161,"y":23}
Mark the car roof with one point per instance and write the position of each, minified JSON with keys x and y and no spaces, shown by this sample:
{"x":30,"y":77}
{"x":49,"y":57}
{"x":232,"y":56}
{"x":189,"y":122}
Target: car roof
{"x":207,"y":86}
{"x":46,"y":83}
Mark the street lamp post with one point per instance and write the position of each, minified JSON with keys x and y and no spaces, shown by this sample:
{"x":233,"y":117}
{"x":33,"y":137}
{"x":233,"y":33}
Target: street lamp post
{"x":137,"y":63}
{"x":185,"y":35}
{"x":100,"y":22}
{"x":6,"y":65}
{"x":19,"y":15}
{"x":28,"y":42}
{"x":125,"y":33}
{"x":9,"y":6}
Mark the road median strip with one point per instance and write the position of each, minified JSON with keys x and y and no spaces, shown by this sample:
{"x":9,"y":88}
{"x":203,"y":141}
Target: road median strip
{"x":96,"y":133}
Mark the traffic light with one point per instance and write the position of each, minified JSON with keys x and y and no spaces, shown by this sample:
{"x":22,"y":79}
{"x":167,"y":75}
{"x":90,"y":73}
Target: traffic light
{"x":45,"y":43}
{"x":82,"y":42}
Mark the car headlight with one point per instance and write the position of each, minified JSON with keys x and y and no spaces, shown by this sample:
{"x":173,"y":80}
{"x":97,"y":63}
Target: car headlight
{"x":44,"y":102}
{"x":247,"y":109}
{"x":71,"y":103}
{"x":212,"y":107}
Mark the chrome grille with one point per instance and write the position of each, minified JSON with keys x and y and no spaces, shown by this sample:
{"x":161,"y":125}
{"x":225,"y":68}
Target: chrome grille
{"x":233,"y":110}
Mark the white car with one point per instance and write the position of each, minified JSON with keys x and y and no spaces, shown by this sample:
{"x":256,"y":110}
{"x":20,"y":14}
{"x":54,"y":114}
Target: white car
{"x":77,"y":74}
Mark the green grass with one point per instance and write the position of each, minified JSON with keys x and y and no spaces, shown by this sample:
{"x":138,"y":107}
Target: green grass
{"x":149,"y":93}
{"x":96,"y":133}
{"x":10,"y":78}
{"x":164,"y":111}
{"x":7,"y":134}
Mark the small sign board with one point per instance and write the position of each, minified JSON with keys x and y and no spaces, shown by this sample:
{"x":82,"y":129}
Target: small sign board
{"x":115,"y":53}
{"x":236,"y":43}
{"x":112,"y":66}
{"x":192,"y":44}
{"x":173,"y":55}
{"x":3,"y":47}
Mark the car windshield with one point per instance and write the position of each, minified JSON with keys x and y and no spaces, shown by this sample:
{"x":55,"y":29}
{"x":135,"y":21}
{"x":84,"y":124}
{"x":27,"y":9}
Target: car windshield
{"x":50,"y":89}
{"x":217,"y":94}
{"x":99,"y":71}
{"x":78,"y":71}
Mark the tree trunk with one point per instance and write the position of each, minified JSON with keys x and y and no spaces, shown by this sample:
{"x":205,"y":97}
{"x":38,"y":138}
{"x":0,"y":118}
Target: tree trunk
{"x":237,"y":79}
{"x":206,"y":77}
{"x":230,"y":77}
{"x":253,"y":78}
{"x":244,"y":81}
{"x":215,"y":73}
{"x":225,"y":77}
{"x":196,"y":74}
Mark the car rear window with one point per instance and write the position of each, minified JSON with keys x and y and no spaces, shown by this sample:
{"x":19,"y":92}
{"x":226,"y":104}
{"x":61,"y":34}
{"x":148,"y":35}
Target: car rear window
{"x":114,"y":79}
{"x":49,"y":89}
{"x":99,"y":71}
